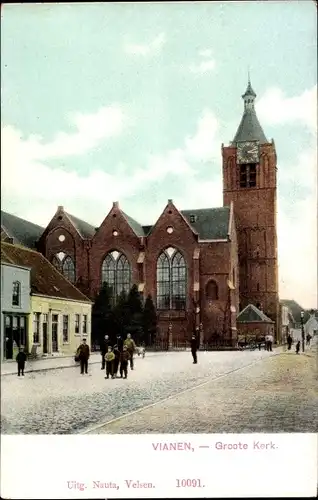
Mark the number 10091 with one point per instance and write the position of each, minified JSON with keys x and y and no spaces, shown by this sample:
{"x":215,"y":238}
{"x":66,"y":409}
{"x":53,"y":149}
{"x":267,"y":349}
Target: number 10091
{"x":189,"y":483}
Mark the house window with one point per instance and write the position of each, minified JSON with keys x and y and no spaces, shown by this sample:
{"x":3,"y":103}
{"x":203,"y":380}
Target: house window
{"x":65,"y":329}
{"x":36,"y":328}
{"x":171,"y":280}
{"x":116,"y":272}
{"x":84,"y":325}
{"x":212,"y":290}
{"x":192,"y":218}
{"x":55,"y":332}
{"x":248,"y":175}
{"x":77,"y":323}
{"x":16,"y":293}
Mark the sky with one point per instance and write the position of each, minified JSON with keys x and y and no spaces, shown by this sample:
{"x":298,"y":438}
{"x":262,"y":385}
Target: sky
{"x":131,"y":102}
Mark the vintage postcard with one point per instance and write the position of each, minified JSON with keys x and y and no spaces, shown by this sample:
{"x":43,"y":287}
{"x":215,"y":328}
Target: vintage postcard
{"x":159,"y":316}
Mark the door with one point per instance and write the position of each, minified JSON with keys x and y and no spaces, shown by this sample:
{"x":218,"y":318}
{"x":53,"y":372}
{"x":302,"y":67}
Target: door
{"x":8,"y":338}
{"x":45,"y":339}
{"x":55,"y":346}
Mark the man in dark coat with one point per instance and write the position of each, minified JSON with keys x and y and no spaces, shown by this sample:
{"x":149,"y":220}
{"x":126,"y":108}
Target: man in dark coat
{"x":83,"y":356}
{"x":120,"y":343}
{"x":21,"y":359}
{"x":104,"y":350}
{"x":194,"y":348}
{"x":289,"y":341}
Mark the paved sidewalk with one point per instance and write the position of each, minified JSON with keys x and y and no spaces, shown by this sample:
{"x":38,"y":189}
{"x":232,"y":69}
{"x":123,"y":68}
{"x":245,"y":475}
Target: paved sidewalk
{"x":278,"y":394}
{"x":51,"y":363}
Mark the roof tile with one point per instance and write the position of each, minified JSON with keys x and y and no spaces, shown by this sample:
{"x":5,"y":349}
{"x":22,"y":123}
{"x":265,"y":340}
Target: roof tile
{"x":251,"y":314}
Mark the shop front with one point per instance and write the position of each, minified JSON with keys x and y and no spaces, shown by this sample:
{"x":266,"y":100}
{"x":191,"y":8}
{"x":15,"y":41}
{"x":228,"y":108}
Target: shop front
{"x":15,"y":334}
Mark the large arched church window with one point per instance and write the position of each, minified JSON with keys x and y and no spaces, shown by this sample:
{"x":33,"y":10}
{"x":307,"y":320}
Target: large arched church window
{"x":171,"y":280}
{"x":116,"y":272}
{"x":65,"y":264}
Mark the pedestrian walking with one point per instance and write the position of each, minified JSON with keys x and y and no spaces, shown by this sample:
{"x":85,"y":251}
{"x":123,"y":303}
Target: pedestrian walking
{"x":83,"y":356}
{"x":104,"y":350}
{"x":21,"y":359}
{"x":124,"y":358}
{"x":270,"y":342}
{"x":298,"y":347}
{"x":289,"y":341}
{"x":109,"y":359}
{"x":266,"y":343}
{"x":194,"y":348}
{"x":308,"y":339}
{"x":131,"y":348}
{"x":116,"y":352}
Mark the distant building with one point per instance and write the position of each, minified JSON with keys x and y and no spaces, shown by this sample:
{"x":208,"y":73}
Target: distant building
{"x":253,"y":323}
{"x":60,"y":315}
{"x":15,"y":308}
{"x":311,"y":325}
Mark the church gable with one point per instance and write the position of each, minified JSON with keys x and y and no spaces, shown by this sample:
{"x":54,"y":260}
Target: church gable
{"x":171,"y":226}
{"x":117,"y":225}
{"x":59,"y":222}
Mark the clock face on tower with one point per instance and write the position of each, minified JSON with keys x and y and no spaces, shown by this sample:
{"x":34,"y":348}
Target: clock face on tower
{"x":247,"y":152}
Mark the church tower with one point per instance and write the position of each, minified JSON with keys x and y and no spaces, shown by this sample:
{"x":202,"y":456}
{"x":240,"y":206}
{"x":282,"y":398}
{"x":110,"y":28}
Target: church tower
{"x":249,"y":180}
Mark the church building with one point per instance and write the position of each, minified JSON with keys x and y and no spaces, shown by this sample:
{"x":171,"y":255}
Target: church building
{"x":201,"y":266}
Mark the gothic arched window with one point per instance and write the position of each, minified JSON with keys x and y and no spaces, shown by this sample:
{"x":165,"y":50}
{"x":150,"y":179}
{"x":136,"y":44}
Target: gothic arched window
{"x":171,"y":280}
{"x":65,"y":265}
{"x":212,"y":291}
{"x":116,"y":272}
{"x":68,"y":269}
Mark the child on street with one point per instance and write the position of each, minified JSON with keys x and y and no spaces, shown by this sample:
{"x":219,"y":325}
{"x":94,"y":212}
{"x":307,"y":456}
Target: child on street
{"x":109,"y":358}
{"x":124,"y":358}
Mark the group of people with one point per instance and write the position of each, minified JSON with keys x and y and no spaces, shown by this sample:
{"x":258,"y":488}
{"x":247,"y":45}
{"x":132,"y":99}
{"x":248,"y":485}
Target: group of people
{"x":117,"y":356}
{"x":114,"y":357}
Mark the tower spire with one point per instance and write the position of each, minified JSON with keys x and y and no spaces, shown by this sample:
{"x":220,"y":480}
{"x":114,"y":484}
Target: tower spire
{"x":249,"y":128}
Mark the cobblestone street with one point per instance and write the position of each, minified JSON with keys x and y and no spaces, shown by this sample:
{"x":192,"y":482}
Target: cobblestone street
{"x":279,"y":394}
{"x":62,"y":401}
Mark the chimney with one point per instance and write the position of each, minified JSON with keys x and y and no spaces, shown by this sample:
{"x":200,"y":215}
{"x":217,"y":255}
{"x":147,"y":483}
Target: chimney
{"x":170,"y":201}
{"x":115,"y":204}
{"x":60,"y":208}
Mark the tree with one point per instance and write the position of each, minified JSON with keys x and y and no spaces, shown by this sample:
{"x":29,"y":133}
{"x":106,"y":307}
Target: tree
{"x":135,"y":314}
{"x":102,"y":315}
{"x":149,"y":321}
{"x":121,"y":316}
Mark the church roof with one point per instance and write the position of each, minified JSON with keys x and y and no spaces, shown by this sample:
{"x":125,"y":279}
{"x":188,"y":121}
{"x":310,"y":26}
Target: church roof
{"x":251,"y":314}
{"x":135,"y":226}
{"x":45,"y":278}
{"x":85,"y":229}
{"x":20,"y":230}
{"x":209,"y":223}
{"x":250,"y":128}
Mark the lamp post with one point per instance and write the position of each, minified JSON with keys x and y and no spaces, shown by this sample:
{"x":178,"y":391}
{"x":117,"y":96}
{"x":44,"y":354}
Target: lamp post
{"x":302,"y":331}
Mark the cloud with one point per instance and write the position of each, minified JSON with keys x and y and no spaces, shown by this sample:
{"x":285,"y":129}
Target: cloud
{"x":153,"y":48}
{"x":297,"y":251}
{"x":203,"y":67}
{"x":206,"y":53}
{"x":204,"y":144}
{"x":277,"y":109}
{"x":90,"y":130}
